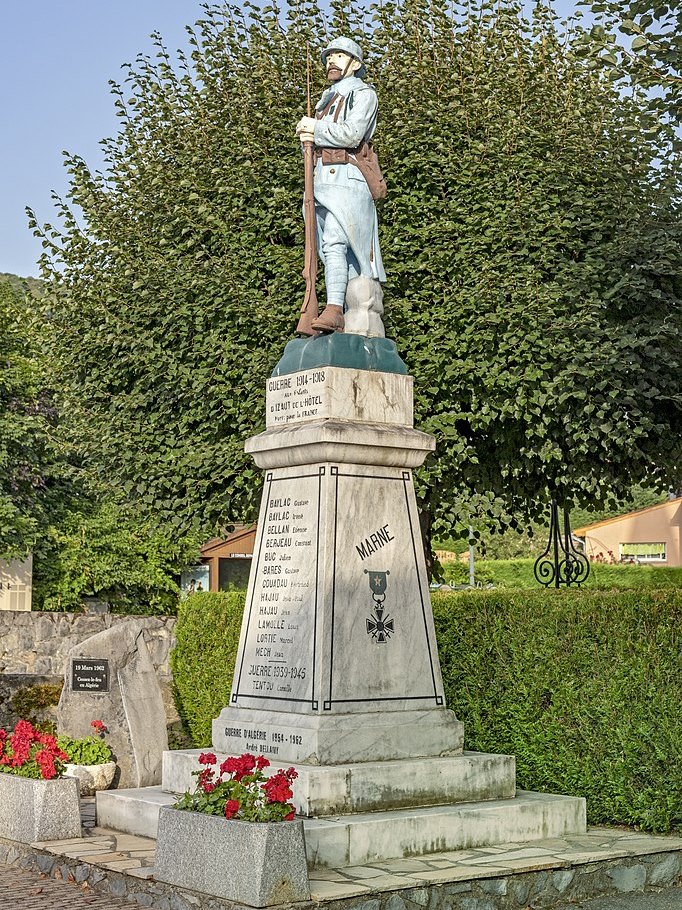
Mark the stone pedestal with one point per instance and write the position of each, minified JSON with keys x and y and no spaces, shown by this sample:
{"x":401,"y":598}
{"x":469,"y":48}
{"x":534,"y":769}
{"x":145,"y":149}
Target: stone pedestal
{"x":337,"y":670}
{"x":337,"y":658}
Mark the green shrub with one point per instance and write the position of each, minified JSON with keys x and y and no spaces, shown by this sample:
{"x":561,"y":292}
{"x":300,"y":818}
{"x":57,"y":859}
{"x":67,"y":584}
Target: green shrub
{"x":33,"y":704}
{"x":202,"y":662}
{"x":90,"y":750}
{"x":584,"y":687}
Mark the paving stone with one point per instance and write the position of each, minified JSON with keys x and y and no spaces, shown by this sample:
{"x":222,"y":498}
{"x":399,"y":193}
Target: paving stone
{"x":522,"y":854}
{"x":324,"y":891}
{"x":531,"y":865}
{"x":124,"y":865}
{"x":360,"y":872}
{"x":477,"y":903}
{"x":561,"y":880}
{"x":403,"y":865}
{"x":435,"y":875}
{"x":496,"y":886}
{"x":395,"y":902}
{"x":388,"y":882}
{"x":666,"y":871}
{"x":420,"y":896}
{"x":142,"y":872}
{"x":326,"y":875}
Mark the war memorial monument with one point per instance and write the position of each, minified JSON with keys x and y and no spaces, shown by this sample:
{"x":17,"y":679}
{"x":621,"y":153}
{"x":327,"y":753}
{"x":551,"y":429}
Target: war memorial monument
{"x":337,"y":670}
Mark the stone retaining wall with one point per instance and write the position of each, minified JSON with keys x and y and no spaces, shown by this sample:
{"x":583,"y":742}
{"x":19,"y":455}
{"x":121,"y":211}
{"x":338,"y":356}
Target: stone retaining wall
{"x":34,"y":646}
{"x":514,"y":891}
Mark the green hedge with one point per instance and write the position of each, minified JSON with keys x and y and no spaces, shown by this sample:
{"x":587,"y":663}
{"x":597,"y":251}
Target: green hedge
{"x":583,"y":687}
{"x":203,"y":659}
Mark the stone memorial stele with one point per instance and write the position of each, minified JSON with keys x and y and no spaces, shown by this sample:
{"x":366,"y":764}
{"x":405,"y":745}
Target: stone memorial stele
{"x":110,"y":677}
{"x":337,"y":669}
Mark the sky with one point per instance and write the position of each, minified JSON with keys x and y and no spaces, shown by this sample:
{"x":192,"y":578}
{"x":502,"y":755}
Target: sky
{"x":55,"y":65}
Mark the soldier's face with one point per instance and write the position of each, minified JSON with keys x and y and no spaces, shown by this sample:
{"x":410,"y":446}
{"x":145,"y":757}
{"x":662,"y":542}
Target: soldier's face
{"x":340,"y":64}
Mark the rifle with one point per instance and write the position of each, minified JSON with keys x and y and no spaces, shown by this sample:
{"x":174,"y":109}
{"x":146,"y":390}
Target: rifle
{"x":310,"y":308}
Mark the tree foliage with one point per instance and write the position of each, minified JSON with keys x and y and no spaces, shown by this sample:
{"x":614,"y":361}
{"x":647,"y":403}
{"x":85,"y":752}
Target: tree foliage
{"x":26,"y":423}
{"x":641,"y":41}
{"x":532,"y":250}
{"x":99,"y":548}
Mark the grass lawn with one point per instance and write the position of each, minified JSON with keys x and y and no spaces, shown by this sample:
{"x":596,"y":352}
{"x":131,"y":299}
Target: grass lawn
{"x":518,"y":573}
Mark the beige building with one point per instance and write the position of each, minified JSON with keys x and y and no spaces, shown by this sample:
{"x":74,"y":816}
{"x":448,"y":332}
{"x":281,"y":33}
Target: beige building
{"x":16,"y":584}
{"x":649,"y":536}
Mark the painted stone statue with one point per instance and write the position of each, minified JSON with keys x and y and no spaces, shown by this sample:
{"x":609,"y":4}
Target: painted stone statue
{"x":346,"y":182}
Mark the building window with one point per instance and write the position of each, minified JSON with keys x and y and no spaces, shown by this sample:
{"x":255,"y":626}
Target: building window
{"x":642,"y":552}
{"x":233,"y":573}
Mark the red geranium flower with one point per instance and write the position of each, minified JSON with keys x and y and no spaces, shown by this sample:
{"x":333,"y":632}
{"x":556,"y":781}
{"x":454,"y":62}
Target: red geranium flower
{"x":100,"y":728}
{"x":207,"y":758}
{"x":232,"y":806}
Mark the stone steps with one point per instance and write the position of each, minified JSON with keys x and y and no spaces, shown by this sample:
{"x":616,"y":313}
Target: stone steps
{"x":324,"y":790}
{"x":356,"y":839}
{"x":132,"y":811}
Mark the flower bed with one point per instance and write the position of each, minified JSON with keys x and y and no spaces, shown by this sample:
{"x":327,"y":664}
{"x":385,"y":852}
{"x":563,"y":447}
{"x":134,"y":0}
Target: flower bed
{"x":27,"y":752}
{"x":236,"y":835}
{"x":36,"y":802}
{"x":89,"y":759}
{"x":239,"y":789}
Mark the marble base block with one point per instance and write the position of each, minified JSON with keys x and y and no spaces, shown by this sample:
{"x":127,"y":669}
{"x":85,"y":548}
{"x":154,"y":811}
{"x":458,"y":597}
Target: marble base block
{"x":323,"y":790}
{"x":371,"y":837}
{"x":340,"y":394}
{"x":338,"y":738}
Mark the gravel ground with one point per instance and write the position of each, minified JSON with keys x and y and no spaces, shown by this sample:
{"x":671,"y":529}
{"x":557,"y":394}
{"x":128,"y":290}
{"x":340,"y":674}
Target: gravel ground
{"x":664,"y":900}
{"x":20,"y":890}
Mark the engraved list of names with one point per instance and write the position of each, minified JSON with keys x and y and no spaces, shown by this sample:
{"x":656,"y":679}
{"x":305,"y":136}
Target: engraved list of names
{"x":278,"y":658}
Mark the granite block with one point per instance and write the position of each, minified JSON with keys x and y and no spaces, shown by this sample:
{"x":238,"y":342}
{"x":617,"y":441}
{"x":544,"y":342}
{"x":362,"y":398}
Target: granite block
{"x":259,"y":864}
{"x":38,"y":810}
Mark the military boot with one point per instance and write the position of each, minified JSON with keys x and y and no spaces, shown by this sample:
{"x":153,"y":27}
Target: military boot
{"x":329,"y":320}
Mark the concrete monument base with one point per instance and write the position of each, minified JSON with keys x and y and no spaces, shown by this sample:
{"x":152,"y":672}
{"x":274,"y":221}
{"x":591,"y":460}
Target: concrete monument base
{"x":335,"y":739}
{"x":372,"y":786}
{"x":350,"y":840}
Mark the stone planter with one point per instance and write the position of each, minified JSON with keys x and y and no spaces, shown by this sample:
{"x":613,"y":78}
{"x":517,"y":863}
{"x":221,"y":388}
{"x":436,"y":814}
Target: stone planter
{"x":92,"y":778}
{"x":38,"y":810}
{"x":254,"y":863}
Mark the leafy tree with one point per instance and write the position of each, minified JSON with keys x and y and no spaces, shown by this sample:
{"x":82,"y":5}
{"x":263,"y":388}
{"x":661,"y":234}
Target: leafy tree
{"x":26,"y":422}
{"x":532,"y":248}
{"x":102,"y":549}
{"x":642,"y":41}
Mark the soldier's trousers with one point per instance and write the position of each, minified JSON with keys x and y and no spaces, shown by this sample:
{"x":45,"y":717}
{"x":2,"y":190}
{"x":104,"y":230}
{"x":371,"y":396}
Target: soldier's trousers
{"x":340,"y":262}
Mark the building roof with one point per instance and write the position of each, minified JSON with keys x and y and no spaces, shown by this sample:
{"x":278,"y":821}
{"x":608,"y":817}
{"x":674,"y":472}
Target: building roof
{"x":581,"y":532}
{"x":240,"y":531}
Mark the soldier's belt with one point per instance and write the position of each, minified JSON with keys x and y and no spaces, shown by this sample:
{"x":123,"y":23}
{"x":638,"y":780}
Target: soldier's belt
{"x":332,"y":156}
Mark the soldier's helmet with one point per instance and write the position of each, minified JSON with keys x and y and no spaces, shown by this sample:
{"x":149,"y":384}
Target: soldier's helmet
{"x":346,"y":46}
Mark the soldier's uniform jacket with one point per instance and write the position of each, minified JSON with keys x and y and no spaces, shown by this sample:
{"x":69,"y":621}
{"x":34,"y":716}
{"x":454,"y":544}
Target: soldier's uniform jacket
{"x":341,"y":188}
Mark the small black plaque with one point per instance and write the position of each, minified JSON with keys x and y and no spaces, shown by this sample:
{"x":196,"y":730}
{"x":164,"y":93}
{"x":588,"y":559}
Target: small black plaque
{"x":89,"y":675}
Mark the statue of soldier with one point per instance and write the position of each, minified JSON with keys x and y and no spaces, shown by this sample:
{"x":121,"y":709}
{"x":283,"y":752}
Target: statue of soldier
{"x":347,"y":180}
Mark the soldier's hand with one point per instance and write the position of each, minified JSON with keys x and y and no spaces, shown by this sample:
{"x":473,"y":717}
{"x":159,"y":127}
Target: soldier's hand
{"x":305,"y":129}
